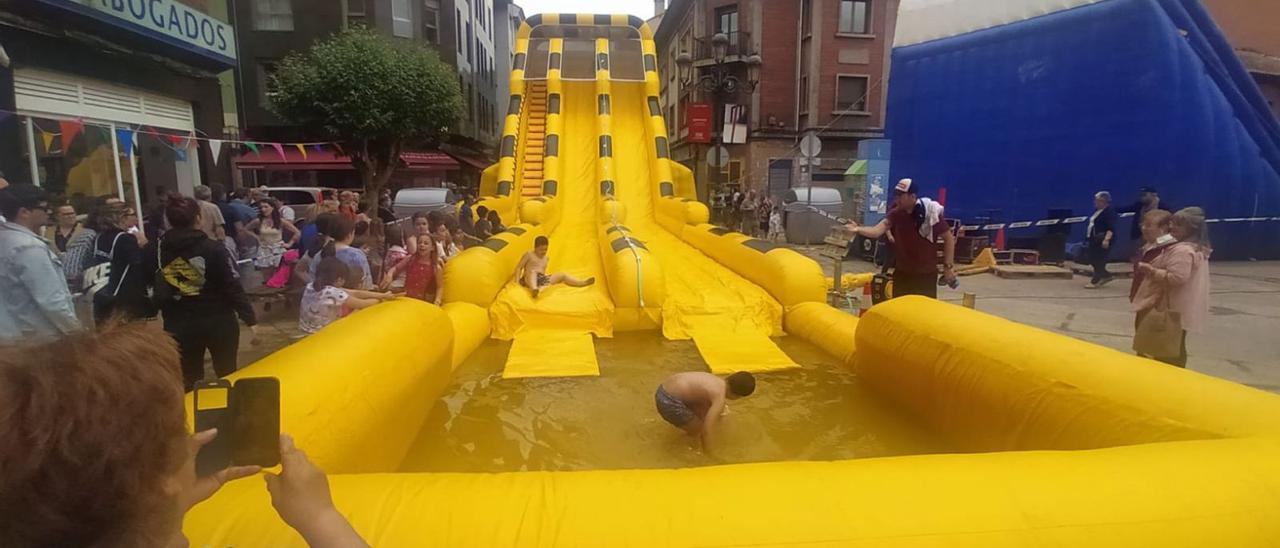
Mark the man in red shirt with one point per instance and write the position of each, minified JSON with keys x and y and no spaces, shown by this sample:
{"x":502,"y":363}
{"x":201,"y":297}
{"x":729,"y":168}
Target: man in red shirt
{"x":915,"y":224}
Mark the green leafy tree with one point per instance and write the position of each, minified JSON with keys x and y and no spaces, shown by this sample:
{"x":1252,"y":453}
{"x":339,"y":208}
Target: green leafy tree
{"x":372,"y":95}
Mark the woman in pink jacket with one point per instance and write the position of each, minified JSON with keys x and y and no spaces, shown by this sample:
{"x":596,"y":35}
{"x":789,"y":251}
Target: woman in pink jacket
{"x":1182,"y":274}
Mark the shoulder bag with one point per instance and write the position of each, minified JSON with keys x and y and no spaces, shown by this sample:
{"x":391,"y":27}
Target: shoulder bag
{"x":1159,"y":333}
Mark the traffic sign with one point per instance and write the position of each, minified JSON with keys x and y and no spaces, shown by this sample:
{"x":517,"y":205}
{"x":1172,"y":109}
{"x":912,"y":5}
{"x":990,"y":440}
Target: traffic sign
{"x":717,"y":156}
{"x":811,"y":145}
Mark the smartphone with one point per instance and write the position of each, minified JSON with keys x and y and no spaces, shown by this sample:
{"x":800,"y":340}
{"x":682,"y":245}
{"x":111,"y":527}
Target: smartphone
{"x":247,"y":416}
{"x":212,"y":406}
{"x":256,"y":422}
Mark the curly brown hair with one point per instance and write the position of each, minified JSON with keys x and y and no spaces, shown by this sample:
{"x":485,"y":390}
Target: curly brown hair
{"x":91,"y":430}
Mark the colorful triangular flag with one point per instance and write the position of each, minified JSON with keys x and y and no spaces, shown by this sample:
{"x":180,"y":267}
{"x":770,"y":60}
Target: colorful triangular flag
{"x":302,"y":150}
{"x":47,"y":138}
{"x":70,"y":129}
{"x":126,"y":137}
{"x":338,"y":148}
{"x":279,"y":150}
{"x":317,"y":147}
{"x":215,"y":147}
{"x":252,"y":146}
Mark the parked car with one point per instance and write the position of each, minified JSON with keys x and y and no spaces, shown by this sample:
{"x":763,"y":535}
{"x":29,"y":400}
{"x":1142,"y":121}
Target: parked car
{"x":412,"y":200}
{"x":302,"y":198}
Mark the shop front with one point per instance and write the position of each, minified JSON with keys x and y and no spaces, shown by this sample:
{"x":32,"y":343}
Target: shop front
{"x":324,"y":166}
{"x":112,"y":98}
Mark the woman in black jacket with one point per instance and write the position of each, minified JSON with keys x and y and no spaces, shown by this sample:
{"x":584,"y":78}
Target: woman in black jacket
{"x":124,"y":294}
{"x":1100,"y":233}
{"x":197,"y":288}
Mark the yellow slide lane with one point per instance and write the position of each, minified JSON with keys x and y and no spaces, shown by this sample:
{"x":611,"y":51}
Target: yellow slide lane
{"x":574,"y":249}
{"x":700,"y":291}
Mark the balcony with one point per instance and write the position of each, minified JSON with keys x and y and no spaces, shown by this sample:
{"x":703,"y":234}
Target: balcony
{"x":739,"y":48}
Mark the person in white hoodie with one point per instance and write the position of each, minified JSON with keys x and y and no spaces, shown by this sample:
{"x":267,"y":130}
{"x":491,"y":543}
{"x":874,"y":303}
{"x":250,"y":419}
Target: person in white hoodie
{"x":915,"y":224}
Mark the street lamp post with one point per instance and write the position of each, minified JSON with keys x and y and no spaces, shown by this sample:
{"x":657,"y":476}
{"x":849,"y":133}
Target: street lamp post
{"x":719,"y":83}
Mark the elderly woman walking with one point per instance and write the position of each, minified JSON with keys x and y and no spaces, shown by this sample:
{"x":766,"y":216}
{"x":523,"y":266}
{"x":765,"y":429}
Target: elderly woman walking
{"x":1179,"y":278}
{"x":1102,"y":228}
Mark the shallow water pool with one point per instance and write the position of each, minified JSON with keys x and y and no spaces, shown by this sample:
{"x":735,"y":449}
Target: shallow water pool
{"x":819,"y":411}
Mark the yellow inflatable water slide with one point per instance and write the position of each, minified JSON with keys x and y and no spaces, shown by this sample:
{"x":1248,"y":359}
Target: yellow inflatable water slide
{"x":1056,"y":442}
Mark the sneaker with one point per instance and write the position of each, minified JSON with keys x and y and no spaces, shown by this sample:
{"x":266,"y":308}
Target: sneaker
{"x":1091,"y":285}
{"x":1106,"y":281}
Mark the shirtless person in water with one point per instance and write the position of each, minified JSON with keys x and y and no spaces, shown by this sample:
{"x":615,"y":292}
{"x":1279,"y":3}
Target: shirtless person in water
{"x":532,"y":270}
{"x":694,"y":401}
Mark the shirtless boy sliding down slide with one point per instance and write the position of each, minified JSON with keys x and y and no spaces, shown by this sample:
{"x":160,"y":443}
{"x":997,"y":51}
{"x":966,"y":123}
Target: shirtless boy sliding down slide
{"x":532,"y":270}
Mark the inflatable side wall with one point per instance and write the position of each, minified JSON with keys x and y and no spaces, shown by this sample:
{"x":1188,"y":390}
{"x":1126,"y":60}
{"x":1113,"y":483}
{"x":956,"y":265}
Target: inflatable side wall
{"x":355,"y":394}
{"x":477,"y":274}
{"x":995,"y":385}
{"x":1170,"y":106}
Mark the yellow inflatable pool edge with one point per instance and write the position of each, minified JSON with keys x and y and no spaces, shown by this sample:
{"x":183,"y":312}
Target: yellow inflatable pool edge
{"x":355,"y":394}
{"x":991,"y":384}
{"x":1182,"y":494}
{"x":470,"y":329}
{"x":1218,"y":484}
{"x":823,"y":326}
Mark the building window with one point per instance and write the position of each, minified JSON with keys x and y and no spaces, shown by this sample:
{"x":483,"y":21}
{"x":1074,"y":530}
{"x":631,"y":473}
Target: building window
{"x":356,"y":12}
{"x":727,"y":22}
{"x":731,"y":173}
{"x":804,"y":94}
{"x":272,"y":14}
{"x":851,"y":93}
{"x":401,"y":19}
{"x":471,"y":105}
{"x":458,"y":22}
{"x":682,"y":115}
{"x":470,"y":45}
{"x":266,"y":82}
{"x":431,"y":21}
{"x":855,"y":17}
{"x":806,"y":17}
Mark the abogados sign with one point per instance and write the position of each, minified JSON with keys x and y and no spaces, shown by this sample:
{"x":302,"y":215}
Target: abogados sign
{"x":168,"y":21}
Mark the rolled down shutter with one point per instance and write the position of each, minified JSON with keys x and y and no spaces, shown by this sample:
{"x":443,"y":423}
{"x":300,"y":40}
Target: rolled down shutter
{"x":40,"y":92}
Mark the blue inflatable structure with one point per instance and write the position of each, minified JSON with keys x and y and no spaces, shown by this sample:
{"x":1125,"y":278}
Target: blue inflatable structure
{"x":1019,"y":118}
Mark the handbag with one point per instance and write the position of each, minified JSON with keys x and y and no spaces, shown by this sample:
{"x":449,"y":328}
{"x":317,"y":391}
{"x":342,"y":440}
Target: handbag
{"x":1159,"y":334}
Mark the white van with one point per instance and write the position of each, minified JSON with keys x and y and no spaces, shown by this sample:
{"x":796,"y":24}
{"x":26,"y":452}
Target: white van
{"x":412,"y":200}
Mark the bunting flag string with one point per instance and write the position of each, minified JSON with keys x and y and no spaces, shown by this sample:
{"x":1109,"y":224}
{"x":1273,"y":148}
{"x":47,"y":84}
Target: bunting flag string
{"x":125,"y":137}
{"x":280,"y":151}
{"x":215,"y":147}
{"x":70,"y":129}
{"x":47,"y":139}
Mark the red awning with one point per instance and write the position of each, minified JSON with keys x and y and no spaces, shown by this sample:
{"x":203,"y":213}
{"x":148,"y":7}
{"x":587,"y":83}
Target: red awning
{"x":328,"y":160}
{"x":431,"y":160}
{"x":478,"y":163}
